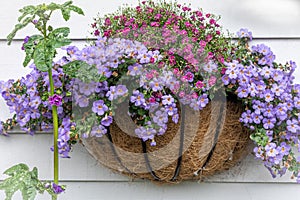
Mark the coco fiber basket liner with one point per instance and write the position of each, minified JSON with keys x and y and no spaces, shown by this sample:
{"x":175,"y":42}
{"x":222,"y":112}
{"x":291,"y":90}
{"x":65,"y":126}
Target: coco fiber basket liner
{"x":206,"y":143}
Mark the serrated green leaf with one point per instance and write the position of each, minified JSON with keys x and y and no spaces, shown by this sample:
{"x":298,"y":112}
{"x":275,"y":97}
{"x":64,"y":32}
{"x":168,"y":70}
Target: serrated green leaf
{"x":58,"y":37}
{"x":66,"y":13}
{"x":43,"y":56}
{"x":15,"y":169}
{"x":28,"y":192}
{"x":27,"y":10}
{"x":76,"y":9}
{"x":29,"y":48}
{"x":53,"y":6}
{"x":67,"y":3}
{"x":18,"y":27}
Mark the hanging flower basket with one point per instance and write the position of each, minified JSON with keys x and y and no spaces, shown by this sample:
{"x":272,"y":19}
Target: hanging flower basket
{"x":197,"y":147}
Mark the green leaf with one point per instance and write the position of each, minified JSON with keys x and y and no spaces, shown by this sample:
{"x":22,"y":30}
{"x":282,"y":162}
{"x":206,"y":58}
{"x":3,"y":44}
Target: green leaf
{"x":15,"y":169}
{"x":27,"y":10}
{"x":30,"y":48}
{"x":76,"y":9}
{"x":67,"y":3}
{"x":43,"y":56}
{"x":73,"y":67}
{"x":20,"y":179}
{"x":54,"y":6}
{"x":66,"y":13}
{"x":58,"y":37}
{"x":19,"y":27}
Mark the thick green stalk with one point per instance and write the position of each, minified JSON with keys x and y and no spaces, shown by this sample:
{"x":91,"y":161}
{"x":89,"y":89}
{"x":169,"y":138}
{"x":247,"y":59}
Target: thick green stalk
{"x":55,"y":131}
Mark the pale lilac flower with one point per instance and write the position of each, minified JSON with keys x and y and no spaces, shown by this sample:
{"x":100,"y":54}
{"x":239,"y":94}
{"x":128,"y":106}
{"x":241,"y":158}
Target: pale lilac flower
{"x":99,"y":107}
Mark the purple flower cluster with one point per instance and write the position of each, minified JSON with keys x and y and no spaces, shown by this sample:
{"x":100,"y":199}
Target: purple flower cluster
{"x":272,"y":105}
{"x":29,"y":100}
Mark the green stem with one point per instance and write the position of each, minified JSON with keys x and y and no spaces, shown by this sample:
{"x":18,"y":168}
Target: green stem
{"x":55,"y":131}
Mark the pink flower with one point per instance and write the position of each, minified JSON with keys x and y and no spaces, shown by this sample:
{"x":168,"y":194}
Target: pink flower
{"x":209,"y":37}
{"x":202,"y":43}
{"x":199,"y":14}
{"x":199,"y":84}
{"x":223,"y":70}
{"x":138,"y":9}
{"x":172,"y":60}
{"x":187,"y":24}
{"x":212,"y":80}
{"x":152,"y":60}
{"x":181,"y":94}
{"x":154,"y":24}
{"x":107,"y":33}
{"x":207,"y":15}
{"x":210,"y":55}
{"x":97,"y":33}
{"x":176,"y":72}
{"x":218,"y":32}
{"x":189,"y":76}
{"x":212,"y":21}
{"x":107,"y":22}
{"x":150,"y":10}
{"x":152,"y":99}
{"x":186,"y":9}
{"x":149,"y":76}
{"x":194,"y":95}
{"x":158,"y":16}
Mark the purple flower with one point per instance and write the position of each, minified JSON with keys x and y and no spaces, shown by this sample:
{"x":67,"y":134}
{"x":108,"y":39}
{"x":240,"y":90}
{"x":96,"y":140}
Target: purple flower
{"x":87,"y":88}
{"x":98,"y":131}
{"x":297,"y":102}
{"x":247,"y":117}
{"x":242,"y":92}
{"x":25,"y":41}
{"x":269,"y":123}
{"x":203,"y":101}
{"x":137,"y":98}
{"x":284,"y":149}
{"x":160,"y":118}
{"x":271,"y":150}
{"x":121,"y":90}
{"x":82,"y":101}
{"x":135,"y":69}
{"x":145,"y":133}
{"x":268,"y":95}
{"x":210,"y":67}
{"x":292,"y":125}
{"x":57,"y":189}
{"x":167,"y":100}
{"x":107,"y":120}
{"x":99,"y":107}
{"x":55,"y":100}
{"x":244,"y":33}
{"x":155,"y":85}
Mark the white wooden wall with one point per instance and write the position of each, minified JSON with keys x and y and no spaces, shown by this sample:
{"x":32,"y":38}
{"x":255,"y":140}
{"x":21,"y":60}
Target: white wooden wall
{"x":274,"y":22}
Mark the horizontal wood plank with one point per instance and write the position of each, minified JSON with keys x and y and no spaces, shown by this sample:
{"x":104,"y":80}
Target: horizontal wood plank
{"x":189,"y":191}
{"x":268,"y":18}
{"x":34,"y":151}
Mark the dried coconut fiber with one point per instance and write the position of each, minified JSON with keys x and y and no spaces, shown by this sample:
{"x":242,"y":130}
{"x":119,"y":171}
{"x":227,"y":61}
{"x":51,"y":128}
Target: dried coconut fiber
{"x":200,"y":145}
